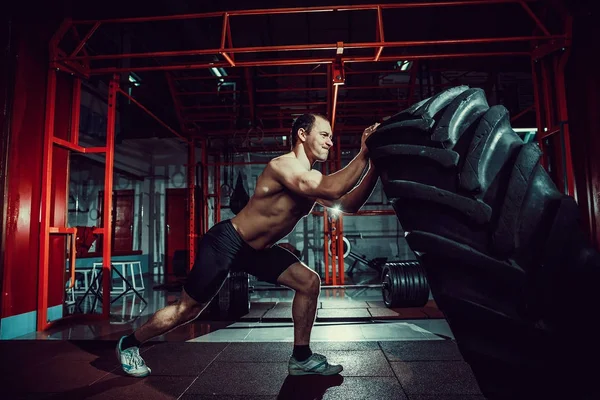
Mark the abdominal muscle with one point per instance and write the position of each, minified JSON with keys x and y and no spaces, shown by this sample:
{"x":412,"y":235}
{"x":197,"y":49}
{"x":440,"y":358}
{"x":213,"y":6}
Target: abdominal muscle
{"x":268,"y":217}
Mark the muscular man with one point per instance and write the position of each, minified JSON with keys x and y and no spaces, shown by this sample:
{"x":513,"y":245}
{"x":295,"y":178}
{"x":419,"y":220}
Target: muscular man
{"x":285,"y":192}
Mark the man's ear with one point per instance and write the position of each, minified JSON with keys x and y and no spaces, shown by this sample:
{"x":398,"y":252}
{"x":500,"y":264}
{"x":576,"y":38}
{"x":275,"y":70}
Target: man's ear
{"x":302,"y":134}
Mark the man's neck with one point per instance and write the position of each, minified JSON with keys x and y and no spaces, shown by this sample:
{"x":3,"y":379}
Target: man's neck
{"x":303,"y":157}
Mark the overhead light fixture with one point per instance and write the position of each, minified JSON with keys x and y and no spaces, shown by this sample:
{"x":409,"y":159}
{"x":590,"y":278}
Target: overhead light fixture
{"x":133,"y":78}
{"x":218,"y":72}
{"x":404,"y":65}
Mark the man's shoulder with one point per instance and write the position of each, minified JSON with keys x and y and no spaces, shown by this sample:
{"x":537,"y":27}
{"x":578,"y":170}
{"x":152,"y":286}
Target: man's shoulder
{"x":285,"y":161}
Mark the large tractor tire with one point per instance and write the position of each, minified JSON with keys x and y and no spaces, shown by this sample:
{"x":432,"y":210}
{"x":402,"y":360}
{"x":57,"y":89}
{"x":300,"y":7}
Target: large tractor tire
{"x":503,"y":251}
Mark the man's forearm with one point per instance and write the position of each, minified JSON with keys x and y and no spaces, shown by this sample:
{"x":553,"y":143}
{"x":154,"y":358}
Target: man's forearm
{"x":346,"y":178}
{"x":356,"y":198}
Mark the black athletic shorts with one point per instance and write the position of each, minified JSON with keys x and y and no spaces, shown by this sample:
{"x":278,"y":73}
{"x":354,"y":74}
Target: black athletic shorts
{"x":221,"y":250}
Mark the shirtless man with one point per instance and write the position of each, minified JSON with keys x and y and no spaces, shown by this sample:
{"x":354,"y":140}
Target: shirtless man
{"x":285,"y":192}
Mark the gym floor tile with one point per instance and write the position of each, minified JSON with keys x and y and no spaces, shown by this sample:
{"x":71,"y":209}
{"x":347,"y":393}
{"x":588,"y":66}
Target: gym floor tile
{"x":228,"y":397}
{"x":380,"y":388}
{"x":224,"y":335}
{"x":410,"y":313}
{"x":257,"y":352}
{"x":308,"y":387}
{"x":181,"y":359}
{"x":227,"y":378}
{"x":446,"y":397}
{"x":384,"y":313}
{"x":257,"y":311}
{"x":33,"y":396}
{"x":376,"y":304}
{"x":433,"y":312}
{"x":341,"y":314}
{"x":276,"y":334}
{"x":397,"y":331}
{"x":321,"y":347}
{"x":52,"y":377}
{"x":431,"y":350}
{"x":331,"y":332}
{"x":437,"y":327}
{"x":337,"y":304}
{"x":436,"y":377}
{"x":12,"y":353}
{"x":115,"y":387}
{"x":361,"y":363}
{"x":281,"y":312}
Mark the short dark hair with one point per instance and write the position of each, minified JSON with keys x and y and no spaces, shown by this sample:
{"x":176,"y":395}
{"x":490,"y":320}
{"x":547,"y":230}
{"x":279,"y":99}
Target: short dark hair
{"x":306,"y":122}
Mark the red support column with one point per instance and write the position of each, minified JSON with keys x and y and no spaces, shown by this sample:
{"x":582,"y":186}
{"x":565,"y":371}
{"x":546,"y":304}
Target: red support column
{"x":75,"y":113}
{"x":204,"y":186}
{"x":217,"y":183}
{"x":42,"y":301}
{"x":191,"y":174}
{"x":326,"y":246}
{"x":548,"y":71}
{"x":538,"y":111}
{"x":563,"y":120}
{"x":333,"y":249}
{"x":339,"y":218}
{"x":113,"y":89}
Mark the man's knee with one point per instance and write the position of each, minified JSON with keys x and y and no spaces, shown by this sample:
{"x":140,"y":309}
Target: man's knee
{"x":312,"y":286}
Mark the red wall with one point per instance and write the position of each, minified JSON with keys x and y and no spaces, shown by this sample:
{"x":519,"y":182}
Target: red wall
{"x":583,"y":93}
{"x":20,"y":272}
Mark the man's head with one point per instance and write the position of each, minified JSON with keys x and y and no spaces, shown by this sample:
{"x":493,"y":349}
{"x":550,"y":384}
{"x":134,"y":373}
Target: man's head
{"x":312,"y":131}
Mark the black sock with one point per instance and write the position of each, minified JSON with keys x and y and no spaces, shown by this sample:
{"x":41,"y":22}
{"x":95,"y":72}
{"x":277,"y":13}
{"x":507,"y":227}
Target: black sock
{"x":301,"y":353}
{"x":130,"y":341}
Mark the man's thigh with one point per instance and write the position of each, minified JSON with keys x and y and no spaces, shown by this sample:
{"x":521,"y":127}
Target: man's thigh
{"x":269,"y":264}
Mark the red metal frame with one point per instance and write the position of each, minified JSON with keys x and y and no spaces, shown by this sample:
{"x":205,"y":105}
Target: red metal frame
{"x":79,"y":62}
{"x":191,"y":175}
{"x":548,"y":68}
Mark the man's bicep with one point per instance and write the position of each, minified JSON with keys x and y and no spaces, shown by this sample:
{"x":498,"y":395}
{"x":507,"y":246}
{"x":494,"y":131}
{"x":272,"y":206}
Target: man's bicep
{"x":299,"y":181}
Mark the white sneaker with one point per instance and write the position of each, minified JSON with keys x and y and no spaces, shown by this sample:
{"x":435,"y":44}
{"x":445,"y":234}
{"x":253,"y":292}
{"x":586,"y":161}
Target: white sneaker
{"x":315,"y":364}
{"x":131,"y":361}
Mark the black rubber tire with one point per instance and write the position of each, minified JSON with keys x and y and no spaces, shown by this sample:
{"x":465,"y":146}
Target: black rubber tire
{"x":404,"y":284}
{"x":504,"y":254}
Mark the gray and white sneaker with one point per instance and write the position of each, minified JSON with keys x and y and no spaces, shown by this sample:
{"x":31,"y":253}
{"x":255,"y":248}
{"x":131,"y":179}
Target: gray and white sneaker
{"x":315,"y":364}
{"x":132,"y":363}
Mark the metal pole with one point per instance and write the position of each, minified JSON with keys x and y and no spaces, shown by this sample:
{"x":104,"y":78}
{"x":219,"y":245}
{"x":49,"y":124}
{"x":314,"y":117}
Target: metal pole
{"x":538,"y":111}
{"x":326,"y":245}
{"x":76,"y":111}
{"x":204,"y":186}
{"x":563,"y":117}
{"x":113,"y":90}
{"x":217,"y":182}
{"x":42,"y":300}
{"x":191,"y":202}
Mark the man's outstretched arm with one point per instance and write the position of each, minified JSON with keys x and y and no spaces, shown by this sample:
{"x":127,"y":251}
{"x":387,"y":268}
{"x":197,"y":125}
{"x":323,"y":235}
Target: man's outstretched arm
{"x":290,"y":173}
{"x":353,"y":201}
{"x":328,"y":187}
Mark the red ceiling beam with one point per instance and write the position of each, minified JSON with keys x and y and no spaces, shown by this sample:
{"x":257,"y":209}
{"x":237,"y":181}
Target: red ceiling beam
{"x":274,"y":11}
{"x":311,"y":47}
{"x":308,"y":61}
{"x":229,"y":52}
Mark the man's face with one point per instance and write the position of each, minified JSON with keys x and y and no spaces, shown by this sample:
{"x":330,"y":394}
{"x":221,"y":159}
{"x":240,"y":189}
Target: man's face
{"x":319,"y":140}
